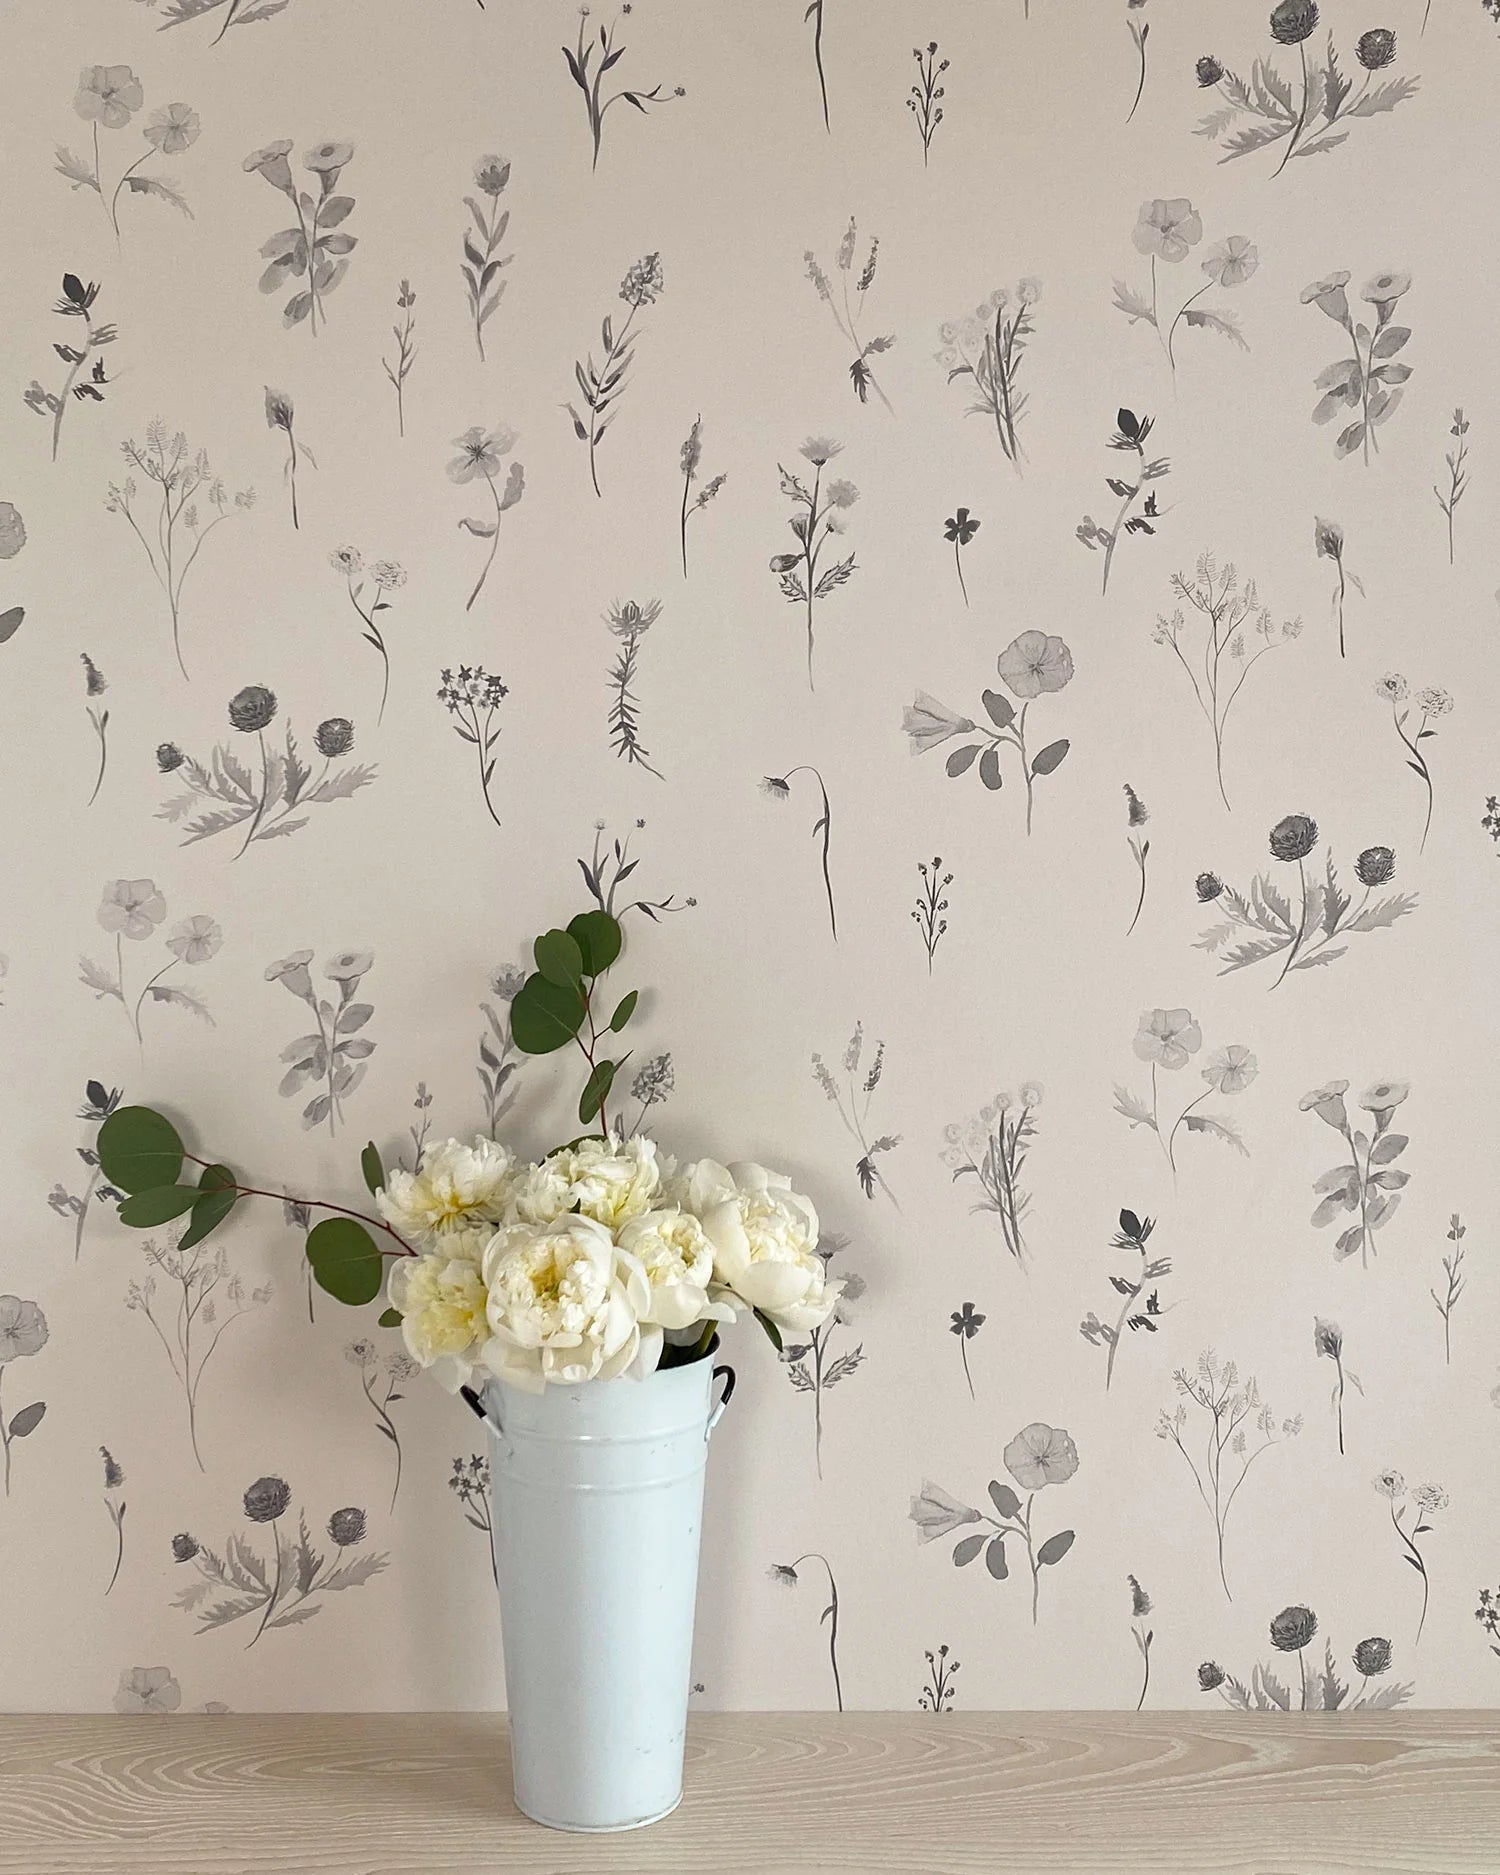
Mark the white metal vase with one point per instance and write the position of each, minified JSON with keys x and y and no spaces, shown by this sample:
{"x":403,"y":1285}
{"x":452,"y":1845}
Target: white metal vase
{"x":597,"y":1504}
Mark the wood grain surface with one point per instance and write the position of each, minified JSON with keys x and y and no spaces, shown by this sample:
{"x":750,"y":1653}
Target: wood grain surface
{"x":797,"y":1794}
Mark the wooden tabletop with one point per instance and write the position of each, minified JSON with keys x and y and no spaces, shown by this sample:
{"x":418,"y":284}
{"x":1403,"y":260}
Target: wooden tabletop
{"x":793,"y":1794}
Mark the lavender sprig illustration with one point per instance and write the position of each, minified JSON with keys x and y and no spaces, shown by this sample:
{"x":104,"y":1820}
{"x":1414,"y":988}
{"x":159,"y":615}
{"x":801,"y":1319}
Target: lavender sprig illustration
{"x":23,"y":1332}
{"x":110,"y":95}
{"x":589,"y":77}
{"x":860,"y":1080}
{"x":960,"y":528}
{"x":1262,"y":922}
{"x":966,"y":1323}
{"x":817,"y":519}
{"x":133,"y":908}
{"x":95,"y":685}
{"x":1234,"y":631}
{"x":1140,"y":32}
{"x":281,"y":415}
{"x":847,"y":314}
{"x":1168,"y":230}
{"x":1136,"y":815}
{"x":417,"y":1132}
{"x":1328,"y":1344}
{"x":472,"y":696}
{"x":692,"y":457}
{"x":1030,"y":666}
{"x":1456,"y":461}
{"x":1168,"y":1038}
{"x":931,"y":904}
{"x":223,"y":795}
{"x":785,"y":1575}
{"x":385,"y":576}
{"x":779,"y":788}
{"x":1129,"y":435}
{"x":1421,"y":1503}
{"x":1432,"y":703}
{"x":1309,"y":125}
{"x":499,"y":1059}
{"x":1240,"y":1427}
{"x":813,"y":1366}
{"x":479,"y":458}
{"x":602,"y":386}
{"x":1291,"y":1631}
{"x":99,"y":1102}
{"x":1038,"y":1456}
{"x":283,"y":1588}
{"x":238,"y":13}
{"x":629,"y":623}
{"x":114,"y":1508}
{"x":937,"y":1694}
{"x":1453,"y":1283}
{"x":987,"y":348}
{"x":1368,"y":1185}
{"x":398,"y":369}
{"x":381,"y":1381}
{"x":470,"y":1484}
{"x":1367,"y":386}
{"x":193,"y":1320}
{"x":1143,"y":1636}
{"x":992,"y":1148}
{"x":1328,"y":540}
{"x":77,"y":302}
{"x":1140,"y":1308}
{"x":334,"y":1054}
{"x":924,"y":100}
{"x":318,"y":248}
{"x":178,"y":528}
{"x":652,"y":1084}
{"x":482,"y":265}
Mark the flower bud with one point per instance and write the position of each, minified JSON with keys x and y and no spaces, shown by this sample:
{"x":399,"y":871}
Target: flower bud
{"x":334,"y":736}
{"x":267,"y":1499}
{"x":1375,"y":866}
{"x":347,"y":1527}
{"x":1376,"y":49}
{"x":1294,"y":837}
{"x":1210,"y":71}
{"x":1372,"y":1656}
{"x":1293,"y":21}
{"x":1210,"y":1676}
{"x":1208,"y":886}
{"x":168,"y":757}
{"x":252,"y":708}
{"x":184,"y":1547}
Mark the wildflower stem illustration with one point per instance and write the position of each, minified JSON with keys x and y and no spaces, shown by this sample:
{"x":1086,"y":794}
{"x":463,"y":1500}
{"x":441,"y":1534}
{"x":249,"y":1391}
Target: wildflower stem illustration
{"x":281,"y":415}
{"x":1421,"y":1503}
{"x":1453,"y":1283}
{"x":602,"y":386}
{"x":813,"y":1367}
{"x":385,"y":576}
{"x":334,"y":1056}
{"x":1431,"y":703}
{"x":114,"y":1507}
{"x":589,"y":77}
{"x":931,"y":904}
{"x":1328,"y":541}
{"x":817,"y":519}
{"x":1368,"y":1184}
{"x":1458,"y":476}
{"x":960,"y":528}
{"x":937,"y":1694}
{"x":692,"y":457}
{"x":470,"y":1484}
{"x":847,"y":314}
{"x":992,"y":1149}
{"x":786,"y":1575}
{"x":1140,"y":32}
{"x":1140,"y":848}
{"x":134,"y":908}
{"x":1328,"y":1344}
{"x":1368,"y":386}
{"x":965,"y":1323}
{"x":1129,"y":436}
{"x":480,"y":456}
{"x":95,"y":685}
{"x":988,"y":348}
{"x":1143,"y":1636}
{"x":99,"y":1102}
{"x":399,"y":368}
{"x":1235,"y":1415}
{"x":318,"y":247}
{"x":629,"y":623}
{"x":924,"y":100}
{"x":472,"y":697}
{"x":815,"y":14}
{"x":482,"y":266}
{"x":779,"y":788}
{"x":381,"y":1384}
{"x":23,"y":1332}
{"x":77,"y":302}
{"x":1135,"y":1313}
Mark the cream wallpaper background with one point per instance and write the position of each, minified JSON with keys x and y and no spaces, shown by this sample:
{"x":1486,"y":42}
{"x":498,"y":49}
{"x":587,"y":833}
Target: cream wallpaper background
{"x":422,"y":897}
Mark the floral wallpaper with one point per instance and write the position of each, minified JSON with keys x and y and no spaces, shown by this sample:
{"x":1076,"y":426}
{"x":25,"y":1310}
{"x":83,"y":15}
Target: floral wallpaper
{"x":822,"y":480}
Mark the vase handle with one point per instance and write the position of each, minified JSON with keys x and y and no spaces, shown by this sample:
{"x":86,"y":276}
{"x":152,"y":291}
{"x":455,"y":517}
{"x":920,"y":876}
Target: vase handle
{"x":724,"y":1398}
{"x":490,"y":1415}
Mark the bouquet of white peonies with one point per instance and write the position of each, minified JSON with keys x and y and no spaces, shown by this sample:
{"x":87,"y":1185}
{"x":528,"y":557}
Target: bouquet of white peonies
{"x":603,"y":1258}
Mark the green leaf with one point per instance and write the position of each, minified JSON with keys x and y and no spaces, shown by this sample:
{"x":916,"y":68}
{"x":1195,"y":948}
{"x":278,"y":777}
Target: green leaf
{"x":1000,"y":709}
{"x":1055,"y":1548}
{"x":596,"y":1090}
{"x":624,"y":1010}
{"x":966,"y":1549}
{"x":994,"y":1559}
{"x":217,"y":1197}
{"x":544,"y":1016}
{"x":374,"y":1171}
{"x":1004,"y":1499}
{"x":1049,"y":758}
{"x":158,"y":1206}
{"x":389,"y":1318}
{"x":344,"y":1260}
{"x":773,"y":1333}
{"x":139,"y":1150}
{"x":559,"y":957}
{"x":599,"y":938}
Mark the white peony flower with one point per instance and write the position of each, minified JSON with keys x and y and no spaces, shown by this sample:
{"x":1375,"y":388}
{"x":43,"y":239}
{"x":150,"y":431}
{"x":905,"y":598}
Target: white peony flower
{"x":441,"y":1299}
{"x":678,"y":1262}
{"x":765,"y":1240}
{"x":565,"y":1306}
{"x":605,"y":1179}
{"x":454,"y":1199}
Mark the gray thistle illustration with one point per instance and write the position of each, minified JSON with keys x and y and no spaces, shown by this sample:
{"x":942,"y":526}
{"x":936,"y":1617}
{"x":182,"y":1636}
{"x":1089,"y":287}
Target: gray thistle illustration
{"x":1292,"y":1632}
